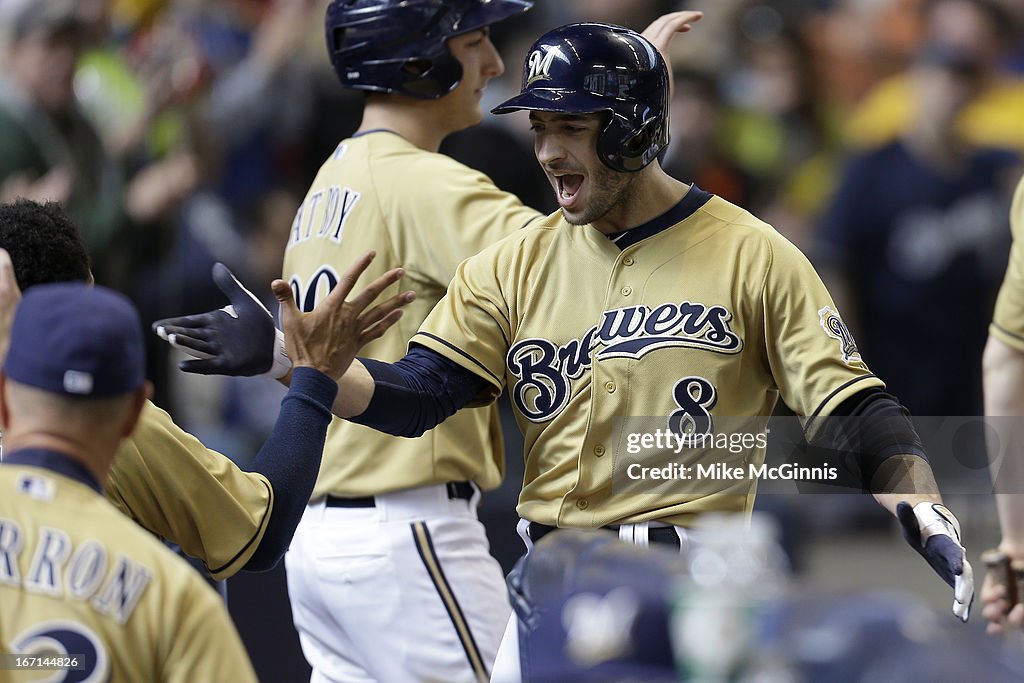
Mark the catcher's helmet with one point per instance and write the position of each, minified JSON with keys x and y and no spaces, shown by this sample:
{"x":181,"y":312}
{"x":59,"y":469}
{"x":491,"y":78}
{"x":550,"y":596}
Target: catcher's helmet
{"x":589,"y":68}
{"x":399,"y":45}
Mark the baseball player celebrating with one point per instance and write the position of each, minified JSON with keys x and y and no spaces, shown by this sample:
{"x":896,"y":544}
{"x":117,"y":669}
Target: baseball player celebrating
{"x":82,"y":589}
{"x":1003,"y":365}
{"x":682,"y":305}
{"x":163,"y":477}
{"x":641,"y":296}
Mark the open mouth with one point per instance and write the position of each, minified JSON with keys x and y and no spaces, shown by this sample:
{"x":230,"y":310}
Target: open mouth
{"x":568,"y":186}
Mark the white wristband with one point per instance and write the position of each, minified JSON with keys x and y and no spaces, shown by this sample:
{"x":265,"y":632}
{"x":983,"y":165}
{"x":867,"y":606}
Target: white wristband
{"x":282,"y":363}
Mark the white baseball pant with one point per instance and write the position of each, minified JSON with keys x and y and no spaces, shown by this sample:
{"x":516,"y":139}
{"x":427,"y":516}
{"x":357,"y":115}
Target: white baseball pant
{"x":405,"y":590}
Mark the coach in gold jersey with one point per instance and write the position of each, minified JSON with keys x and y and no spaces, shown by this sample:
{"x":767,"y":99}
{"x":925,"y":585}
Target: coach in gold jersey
{"x":172,"y":481}
{"x":80,"y":585}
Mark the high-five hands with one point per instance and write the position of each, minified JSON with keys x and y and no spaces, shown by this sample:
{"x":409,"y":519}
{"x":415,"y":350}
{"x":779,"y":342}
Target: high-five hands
{"x":241,"y":339}
{"x":329,"y":337}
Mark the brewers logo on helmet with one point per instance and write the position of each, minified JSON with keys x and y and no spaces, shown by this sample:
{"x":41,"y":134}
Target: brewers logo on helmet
{"x":568,"y":70}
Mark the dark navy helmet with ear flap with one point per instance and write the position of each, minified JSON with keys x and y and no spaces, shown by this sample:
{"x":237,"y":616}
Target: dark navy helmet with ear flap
{"x":399,"y":45}
{"x":590,"y":68}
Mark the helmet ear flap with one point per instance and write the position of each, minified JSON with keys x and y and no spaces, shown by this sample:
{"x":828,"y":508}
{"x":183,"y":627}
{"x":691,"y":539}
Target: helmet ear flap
{"x":336,"y":39}
{"x":417,"y":67}
{"x":627,"y":149}
{"x":609,"y":149}
{"x":637,"y":143}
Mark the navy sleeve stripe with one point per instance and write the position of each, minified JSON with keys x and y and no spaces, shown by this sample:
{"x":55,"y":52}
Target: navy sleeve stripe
{"x":1006,"y":331}
{"x":839,"y":389}
{"x":260,"y":530}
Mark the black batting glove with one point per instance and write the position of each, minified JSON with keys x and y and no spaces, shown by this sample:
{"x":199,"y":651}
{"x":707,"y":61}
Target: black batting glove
{"x":239,"y":339}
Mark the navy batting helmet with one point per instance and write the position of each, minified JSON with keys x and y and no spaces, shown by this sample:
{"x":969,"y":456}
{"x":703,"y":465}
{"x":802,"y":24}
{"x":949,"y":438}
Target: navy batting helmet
{"x":399,"y":45}
{"x":590,"y":68}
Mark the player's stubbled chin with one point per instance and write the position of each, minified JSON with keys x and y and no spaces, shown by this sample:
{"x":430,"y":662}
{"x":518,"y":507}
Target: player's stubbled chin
{"x":568,"y":188}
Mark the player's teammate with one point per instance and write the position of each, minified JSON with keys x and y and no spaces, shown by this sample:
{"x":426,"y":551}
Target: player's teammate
{"x":642,"y":296}
{"x":80,"y":585}
{"x":1004,"y":400}
{"x":163,"y":477}
{"x":389,"y":575}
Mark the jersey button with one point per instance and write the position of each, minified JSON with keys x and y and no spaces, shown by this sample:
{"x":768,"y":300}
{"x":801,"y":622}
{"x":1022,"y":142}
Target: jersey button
{"x":628,"y":261}
{"x":582,"y":504}
{"x":610,"y":386}
{"x":599,"y":450}
{"x":627,"y":290}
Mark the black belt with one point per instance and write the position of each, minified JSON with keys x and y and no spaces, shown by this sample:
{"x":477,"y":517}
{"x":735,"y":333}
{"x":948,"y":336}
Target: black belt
{"x":662,"y":535}
{"x":457,"y":490}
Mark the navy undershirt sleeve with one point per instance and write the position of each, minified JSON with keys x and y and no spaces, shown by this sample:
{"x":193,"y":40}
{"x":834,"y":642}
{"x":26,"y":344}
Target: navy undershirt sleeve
{"x":290,"y":459}
{"x":873,"y":426}
{"x":417,"y":393}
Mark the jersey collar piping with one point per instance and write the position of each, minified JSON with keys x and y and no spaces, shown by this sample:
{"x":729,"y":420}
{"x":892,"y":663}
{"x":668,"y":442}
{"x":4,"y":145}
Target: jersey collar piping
{"x":684,"y":208}
{"x":374,"y":130}
{"x":58,"y":463}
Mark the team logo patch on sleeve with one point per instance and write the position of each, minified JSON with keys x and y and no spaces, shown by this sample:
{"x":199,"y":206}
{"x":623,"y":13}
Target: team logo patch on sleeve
{"x":837,"y":329}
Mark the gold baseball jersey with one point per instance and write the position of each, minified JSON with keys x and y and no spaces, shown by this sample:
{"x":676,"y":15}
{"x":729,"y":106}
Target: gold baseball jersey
{"x":171,"y":484}
{"x":1008,"y":320}
{"x":425,"y":212}
{"x":78,"y":579}
{"x":713,"y":314}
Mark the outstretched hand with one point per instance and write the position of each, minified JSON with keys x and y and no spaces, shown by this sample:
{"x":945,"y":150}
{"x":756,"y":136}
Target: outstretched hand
{"x":329,"y":337}
{"x":1001,"y":592}
{"x":934,"y":532}
{"x":239,"y":339}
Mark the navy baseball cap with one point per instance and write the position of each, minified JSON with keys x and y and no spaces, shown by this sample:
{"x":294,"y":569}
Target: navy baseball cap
{"x":70,"y":338}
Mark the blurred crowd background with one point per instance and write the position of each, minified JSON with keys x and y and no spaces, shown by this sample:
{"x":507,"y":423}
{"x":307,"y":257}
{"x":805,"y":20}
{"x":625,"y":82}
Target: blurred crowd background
{"x":884,"y":137}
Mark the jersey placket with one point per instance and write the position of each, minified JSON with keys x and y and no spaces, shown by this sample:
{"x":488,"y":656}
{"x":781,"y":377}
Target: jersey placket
{"x":595,"y":459}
